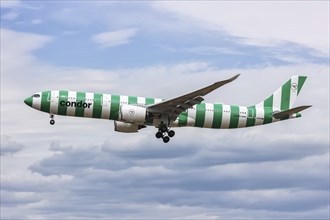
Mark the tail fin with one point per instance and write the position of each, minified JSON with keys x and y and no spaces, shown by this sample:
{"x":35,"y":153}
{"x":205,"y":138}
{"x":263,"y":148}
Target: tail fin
{"x":285,"y":96}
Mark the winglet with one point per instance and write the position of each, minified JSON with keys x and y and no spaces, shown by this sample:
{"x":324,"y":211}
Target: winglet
{"x":227,"y":80}
{"x":235,"y":77}
{"x":204,"y":91}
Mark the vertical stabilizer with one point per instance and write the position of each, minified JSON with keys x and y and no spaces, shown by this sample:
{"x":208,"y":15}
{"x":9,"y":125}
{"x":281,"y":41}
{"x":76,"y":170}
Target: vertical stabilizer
{"x":285,"y":96}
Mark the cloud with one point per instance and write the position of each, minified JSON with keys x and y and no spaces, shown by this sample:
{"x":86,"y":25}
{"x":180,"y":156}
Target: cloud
{"x":36,"y":21}
{"x":114,"y":38}
{"x":261,"y":23}
{"x":19,"y":52}
{"x":294,"y":187}
{"x":10,"y":16}
{"x":9,"y":147}
{"x":11,"y":4}
{"x":203,"y":50}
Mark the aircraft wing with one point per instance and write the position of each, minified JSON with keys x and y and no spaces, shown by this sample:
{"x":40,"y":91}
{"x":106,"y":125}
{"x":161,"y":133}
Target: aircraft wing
{"x":173,"y":107}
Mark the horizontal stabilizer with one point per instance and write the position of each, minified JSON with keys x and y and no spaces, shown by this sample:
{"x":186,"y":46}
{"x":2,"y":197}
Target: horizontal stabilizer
{"x":286,"y":113}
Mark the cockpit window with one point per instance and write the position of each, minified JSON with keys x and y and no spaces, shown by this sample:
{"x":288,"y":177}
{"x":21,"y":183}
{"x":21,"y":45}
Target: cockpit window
{"x":36,"y":96}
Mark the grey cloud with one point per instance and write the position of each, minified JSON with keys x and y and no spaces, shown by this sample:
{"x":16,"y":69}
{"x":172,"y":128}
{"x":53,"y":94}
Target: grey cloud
{"x":153,"y":152}
{"x":8,"y":146}
{"x":284,"y":184}
{"x":11,"y":199}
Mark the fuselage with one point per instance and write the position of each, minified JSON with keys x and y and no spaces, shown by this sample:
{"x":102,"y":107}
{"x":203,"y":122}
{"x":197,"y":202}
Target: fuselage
{"x":107,"y":106}
{"x":132,"y":113}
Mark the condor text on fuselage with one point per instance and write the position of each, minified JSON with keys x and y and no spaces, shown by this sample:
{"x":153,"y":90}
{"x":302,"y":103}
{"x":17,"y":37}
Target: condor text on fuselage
{"x":75,"y":104}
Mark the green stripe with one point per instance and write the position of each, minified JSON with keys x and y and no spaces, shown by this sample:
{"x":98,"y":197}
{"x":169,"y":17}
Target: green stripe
{"x":251,"y":118}
{"x":114,"y":109}
{"x":183,"y":118}
{"x":269,"y":101}
{"x":268,"y":110}
{"x":132,"y":99}
{"x":301,"y":81}
{"x":234,"y":116}
{"x":63,"y":97}
{"x":268,"y":115}
{"x":150,"y":101}
{"x":97,"y":106}
{"x":80,"y":98}
{"x":217,"y":116}
{"x":285,"y":99}
{"x":45,"y":103}
{"x":200,"y":115}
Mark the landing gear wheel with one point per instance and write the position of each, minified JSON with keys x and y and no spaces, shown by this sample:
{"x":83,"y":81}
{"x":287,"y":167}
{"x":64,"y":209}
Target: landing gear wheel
{"x":171,"y":133}
{"x":159,"y":134}
{"x":163,"y":128}
{"x":52,"y":122}
{"x":166,"y":139}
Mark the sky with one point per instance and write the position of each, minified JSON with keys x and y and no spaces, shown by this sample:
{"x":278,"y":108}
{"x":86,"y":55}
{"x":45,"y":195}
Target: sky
{"x":83,"y":169}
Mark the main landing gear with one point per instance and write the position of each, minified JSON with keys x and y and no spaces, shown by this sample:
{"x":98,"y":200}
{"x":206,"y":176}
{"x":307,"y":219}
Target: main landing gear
{"x":52,"y":121}
{"x":164,"y":133}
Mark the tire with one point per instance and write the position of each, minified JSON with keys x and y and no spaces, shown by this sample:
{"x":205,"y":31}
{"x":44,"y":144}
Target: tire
{"x":163,"y":128}
{"x":52,"y":122}
{"x":159,"y":134}
{"x":171,"y":133}
{"x":166,"y":139}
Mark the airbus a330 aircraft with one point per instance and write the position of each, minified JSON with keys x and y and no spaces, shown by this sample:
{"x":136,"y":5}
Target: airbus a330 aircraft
{"x":132,"y":113}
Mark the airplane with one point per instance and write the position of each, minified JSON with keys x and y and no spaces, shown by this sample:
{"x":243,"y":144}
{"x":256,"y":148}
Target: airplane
{"x":132,"y":113}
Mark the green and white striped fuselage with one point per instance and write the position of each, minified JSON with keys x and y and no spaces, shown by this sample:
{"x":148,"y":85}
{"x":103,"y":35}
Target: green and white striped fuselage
{"x":107,"y":106}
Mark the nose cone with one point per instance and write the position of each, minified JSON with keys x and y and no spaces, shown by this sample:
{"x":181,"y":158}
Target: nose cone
{"x":28,"y":101}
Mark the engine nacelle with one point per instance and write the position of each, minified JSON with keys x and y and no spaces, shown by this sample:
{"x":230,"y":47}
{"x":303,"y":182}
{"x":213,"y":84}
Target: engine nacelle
{"x":133,"y":114}
{"x":127,"y":127}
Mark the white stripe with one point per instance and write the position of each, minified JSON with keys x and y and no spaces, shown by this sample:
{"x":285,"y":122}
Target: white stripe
{"x":259,"y":116}
{"x":36,"y":102}
{"x":158,"y":100}
{"x":260,"y":105}
{"x":208,"y":115}
{"x":106,"y":98}
{"x":293,"y":91}
{"x":277,"y":97}
{"x":72,"y":96}
{"x":123,"y":100}
{"x":242,"y":116}
{"x":88,"y":112}
{"x":141,"y":100}
{"x":191,"y":116}
{"x":54,"y":102}
{"x":225,"y":116}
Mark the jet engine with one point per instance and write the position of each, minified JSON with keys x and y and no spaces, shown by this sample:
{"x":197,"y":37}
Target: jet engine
{"x":133,"y":114}
{"x":127,"y":127}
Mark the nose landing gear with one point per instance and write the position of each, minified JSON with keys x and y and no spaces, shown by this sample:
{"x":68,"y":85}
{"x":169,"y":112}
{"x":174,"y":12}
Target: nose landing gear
{"x":164,"y":133}
{"x":52,"y":121}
